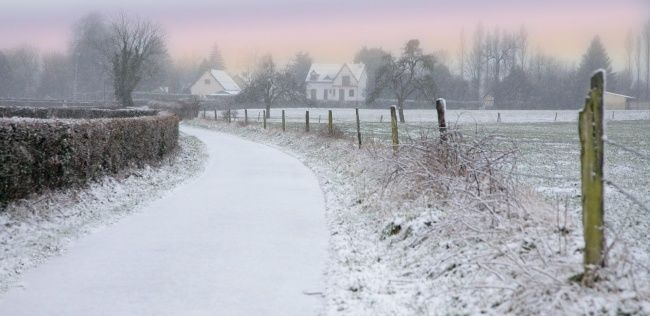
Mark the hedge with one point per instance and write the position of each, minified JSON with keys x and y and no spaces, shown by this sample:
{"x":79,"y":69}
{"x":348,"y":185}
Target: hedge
{"x":184,"y":109}
{"x":38,"y":154}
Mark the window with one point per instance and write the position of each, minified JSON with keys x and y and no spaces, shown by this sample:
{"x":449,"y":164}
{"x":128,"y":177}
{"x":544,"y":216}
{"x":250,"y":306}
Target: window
{"x":313,"y":94}
{"x":313,"y":76}
{"x":351,"y":92}
{"x":206,"y":81}
{"x":346,"y":81}
{"x":325,"y":93}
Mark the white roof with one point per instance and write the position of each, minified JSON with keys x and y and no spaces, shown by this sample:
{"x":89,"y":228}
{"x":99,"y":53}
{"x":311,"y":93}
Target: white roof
{"x":620,"y":95}
{"x":327,"y":72}
{"x":225,"y":80}
{"x":357,"y":70}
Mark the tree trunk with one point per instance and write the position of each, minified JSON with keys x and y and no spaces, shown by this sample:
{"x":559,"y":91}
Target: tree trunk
{"x":400,"y":110}
{"x":268,"y":110}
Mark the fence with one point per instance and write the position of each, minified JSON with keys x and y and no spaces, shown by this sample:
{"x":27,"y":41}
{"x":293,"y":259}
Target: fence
{"x":382,"y":126}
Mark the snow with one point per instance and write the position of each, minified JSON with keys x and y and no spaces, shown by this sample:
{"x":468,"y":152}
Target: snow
{"x":453,"y":116}
{"x":225,"y":80}
{"x":246,"y":237}
{"x":448,"y":257}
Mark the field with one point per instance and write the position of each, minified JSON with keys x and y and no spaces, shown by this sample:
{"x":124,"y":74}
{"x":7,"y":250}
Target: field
{"x":548,"y":152}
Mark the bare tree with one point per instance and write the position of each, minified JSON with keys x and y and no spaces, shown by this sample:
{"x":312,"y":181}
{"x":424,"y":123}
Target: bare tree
{"x":24,"y":63}
{"x":405,"y":75}
{"x":55,"y":79}
{"x":135,"y":47}
{"x":269,"y":84}
{"x":477,"y":61}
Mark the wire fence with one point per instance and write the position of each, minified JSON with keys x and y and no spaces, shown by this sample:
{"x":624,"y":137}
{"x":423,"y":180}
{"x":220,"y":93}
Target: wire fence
{"x":375,"y":125}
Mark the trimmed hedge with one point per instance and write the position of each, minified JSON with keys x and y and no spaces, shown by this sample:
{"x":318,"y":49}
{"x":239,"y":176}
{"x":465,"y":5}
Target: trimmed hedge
{"x":72,"y":113}
{"x":38,"y":154}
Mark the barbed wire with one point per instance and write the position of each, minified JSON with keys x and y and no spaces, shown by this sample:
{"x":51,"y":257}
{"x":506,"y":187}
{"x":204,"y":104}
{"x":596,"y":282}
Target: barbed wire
{"x":628,"y":195}
{"x":627,"y":149}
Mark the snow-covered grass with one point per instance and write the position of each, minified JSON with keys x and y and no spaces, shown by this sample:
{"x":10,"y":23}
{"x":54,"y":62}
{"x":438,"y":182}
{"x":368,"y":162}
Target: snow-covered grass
{"x":36,"y":228}
{"x":396,"y":249}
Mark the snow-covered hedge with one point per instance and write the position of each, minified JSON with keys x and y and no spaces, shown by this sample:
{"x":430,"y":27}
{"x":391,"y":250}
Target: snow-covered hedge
{"x":48,"y":149}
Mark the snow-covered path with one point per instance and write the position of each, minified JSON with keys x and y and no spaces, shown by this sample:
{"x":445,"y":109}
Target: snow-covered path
{"x":247,"y":237}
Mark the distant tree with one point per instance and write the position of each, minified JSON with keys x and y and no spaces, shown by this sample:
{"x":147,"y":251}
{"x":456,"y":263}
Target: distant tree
{"x":268,"y":84}
{"x":88,"y":60}
{"x":404,"y":76}
{"x":374,"y":59}
{"x":595,"y":58}
{"x":298,"y":68}
{"x":5,"y":76}
{"x":216,"y":61}
{"x":136,"y":46}
{"x":646,"y":33}
{"x":55,"y":79}
{"x":476,"y":63}
{"x":24,"y":63}
{"x":514,"y":91}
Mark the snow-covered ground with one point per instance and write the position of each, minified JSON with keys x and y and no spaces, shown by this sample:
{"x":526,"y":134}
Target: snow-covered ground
{"x":393,"y":252}
{"x":453,"y":116}
{"x":246,"y":237}
{"x":43,"y":226}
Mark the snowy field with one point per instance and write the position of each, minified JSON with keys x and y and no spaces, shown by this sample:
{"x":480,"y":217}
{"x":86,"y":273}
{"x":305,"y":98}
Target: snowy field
{"x":447,"y":259}
{"x":453,"y":116}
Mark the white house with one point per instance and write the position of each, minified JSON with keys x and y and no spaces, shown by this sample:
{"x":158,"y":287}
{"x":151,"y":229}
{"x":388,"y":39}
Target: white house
{"x":336,"y":82}
{"x":215,"y":82}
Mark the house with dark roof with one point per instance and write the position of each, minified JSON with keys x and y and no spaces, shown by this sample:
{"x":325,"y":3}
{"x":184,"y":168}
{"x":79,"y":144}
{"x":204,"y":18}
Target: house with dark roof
{"x":215,"y":82}
{"x":337,"y":82}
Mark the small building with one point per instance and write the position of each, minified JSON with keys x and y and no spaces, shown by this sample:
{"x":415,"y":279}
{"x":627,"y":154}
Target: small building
{"x":215,"y":82}
{"x":336,"y":82}
{"x":615,"y":101}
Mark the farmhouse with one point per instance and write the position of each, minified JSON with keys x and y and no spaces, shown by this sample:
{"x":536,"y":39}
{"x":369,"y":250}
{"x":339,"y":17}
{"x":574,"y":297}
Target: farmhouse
{"x":215,"y":82}
{"x":614,"y":101}
{"x":336,"y":82}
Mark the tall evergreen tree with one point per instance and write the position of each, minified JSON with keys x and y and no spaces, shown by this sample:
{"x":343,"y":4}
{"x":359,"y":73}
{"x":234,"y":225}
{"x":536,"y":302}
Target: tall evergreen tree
{"x":595,"y":58}
{"x":215,"y":61}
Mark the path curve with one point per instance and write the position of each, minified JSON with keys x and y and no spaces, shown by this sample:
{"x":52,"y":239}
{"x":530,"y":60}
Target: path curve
{"x":246,"y":237}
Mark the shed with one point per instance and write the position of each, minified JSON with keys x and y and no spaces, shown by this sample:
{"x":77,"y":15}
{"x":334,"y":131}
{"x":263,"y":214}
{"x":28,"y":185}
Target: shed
{"x":615,"y":101}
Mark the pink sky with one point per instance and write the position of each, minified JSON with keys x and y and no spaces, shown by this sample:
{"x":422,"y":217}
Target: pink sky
{"x":332,"y":31}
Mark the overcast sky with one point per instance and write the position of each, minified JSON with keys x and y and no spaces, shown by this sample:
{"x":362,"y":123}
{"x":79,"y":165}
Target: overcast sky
{"x":332,"y":31}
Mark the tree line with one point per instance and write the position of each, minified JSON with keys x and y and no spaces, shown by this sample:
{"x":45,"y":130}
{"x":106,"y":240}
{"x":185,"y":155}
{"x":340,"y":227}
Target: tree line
{"x":109,"y":59}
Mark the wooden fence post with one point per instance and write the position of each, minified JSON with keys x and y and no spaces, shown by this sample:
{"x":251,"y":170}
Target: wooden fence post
{"x":498,"y":117}
{"x":441,"y":108}
{"x":215,"y":113}
{"x":590,"y":129}
{"x":393,"y":127}
{"x":245,"y":116}
{"x":284,"y":124}
{"x":264,"y":119}
{"x":555,"y":120}
{"x":307,"y":121}
{"x":358,"y":127}
{"x":330,"y":124}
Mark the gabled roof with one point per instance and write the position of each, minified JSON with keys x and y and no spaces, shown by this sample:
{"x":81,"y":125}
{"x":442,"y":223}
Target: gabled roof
{"x":357,"y":70}
{"x":225,"y":80}
{"x":325,"y":72}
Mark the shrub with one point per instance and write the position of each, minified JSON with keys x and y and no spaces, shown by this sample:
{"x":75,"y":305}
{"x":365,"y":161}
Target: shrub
{"x":49,"y":153}
{"x":184,"y":109}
